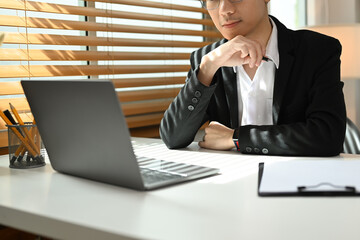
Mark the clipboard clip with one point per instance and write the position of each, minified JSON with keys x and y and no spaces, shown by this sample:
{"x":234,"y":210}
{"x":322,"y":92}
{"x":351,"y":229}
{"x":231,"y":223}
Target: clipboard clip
{"x":330,"y":189}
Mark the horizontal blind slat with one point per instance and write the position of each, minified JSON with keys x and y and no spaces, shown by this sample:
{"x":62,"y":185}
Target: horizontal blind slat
{"x":140,"y":82}
{"x":20,"y":103}
{"x":67,"y":55}
{"x":15,"y":21}
{"x":10,"y":88}
{"x":20,"y":38}
{"x":94,"y":12}
{"x":82,"y":70}
{"x":154,"y":5}
{"x":142,"y":95}
{"x":144,"y":120}
{"x":145,"y":107}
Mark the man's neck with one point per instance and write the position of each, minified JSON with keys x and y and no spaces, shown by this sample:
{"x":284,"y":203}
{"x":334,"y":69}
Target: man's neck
{"x":262,"y":33}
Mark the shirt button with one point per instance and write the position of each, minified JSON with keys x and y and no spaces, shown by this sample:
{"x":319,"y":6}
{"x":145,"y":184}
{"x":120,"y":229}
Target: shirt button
{"x":191,"y":107}
{"x":197,"y":94}
{"x":248,"y":149}
{"x":194,"y":100}
{"x":265,"y":151}
{"x":256,"y":150}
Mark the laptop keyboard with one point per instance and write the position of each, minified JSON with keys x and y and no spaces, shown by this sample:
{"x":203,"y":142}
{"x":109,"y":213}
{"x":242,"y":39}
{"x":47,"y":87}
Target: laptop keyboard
{"x":153,"y":176}
{"x":155,"y":170}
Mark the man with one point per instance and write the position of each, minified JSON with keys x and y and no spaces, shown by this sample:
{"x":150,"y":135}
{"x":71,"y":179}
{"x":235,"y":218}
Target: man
{"x":268,"y":89}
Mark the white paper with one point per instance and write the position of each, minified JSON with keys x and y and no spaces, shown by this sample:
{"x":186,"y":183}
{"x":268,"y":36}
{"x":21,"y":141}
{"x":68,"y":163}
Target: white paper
{"x":286,"y":177}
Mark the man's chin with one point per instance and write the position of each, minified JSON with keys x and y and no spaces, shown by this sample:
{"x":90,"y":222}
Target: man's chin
{"x":230,"y":36}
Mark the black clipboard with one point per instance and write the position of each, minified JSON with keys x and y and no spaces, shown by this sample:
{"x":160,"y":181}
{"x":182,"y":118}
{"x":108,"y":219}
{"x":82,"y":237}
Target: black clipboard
{"x":308,"y":190}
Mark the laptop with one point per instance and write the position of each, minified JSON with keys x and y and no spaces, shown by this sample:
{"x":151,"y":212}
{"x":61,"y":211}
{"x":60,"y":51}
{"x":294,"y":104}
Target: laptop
{"x":85,"y":134}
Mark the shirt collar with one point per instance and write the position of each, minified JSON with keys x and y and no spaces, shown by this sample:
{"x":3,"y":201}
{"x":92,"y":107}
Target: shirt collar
{"x":272,"y":50}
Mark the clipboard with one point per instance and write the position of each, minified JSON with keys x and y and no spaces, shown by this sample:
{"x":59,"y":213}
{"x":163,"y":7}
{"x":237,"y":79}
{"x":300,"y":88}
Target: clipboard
{"x":309,"y":178}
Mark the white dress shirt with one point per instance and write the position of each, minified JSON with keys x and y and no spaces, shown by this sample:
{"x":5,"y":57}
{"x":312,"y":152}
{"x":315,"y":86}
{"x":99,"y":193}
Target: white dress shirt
{"x":255,"y":97}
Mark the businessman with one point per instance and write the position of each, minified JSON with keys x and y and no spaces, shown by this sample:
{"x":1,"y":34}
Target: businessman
{"x":265,"y":89}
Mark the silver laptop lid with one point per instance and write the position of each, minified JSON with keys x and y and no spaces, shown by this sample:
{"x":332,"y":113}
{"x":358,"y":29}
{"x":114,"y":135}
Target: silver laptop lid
{"x":84,"y":130}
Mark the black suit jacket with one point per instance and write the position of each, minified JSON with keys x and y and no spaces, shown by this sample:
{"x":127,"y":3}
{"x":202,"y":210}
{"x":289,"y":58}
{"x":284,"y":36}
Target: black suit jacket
{"x":309,"y":113}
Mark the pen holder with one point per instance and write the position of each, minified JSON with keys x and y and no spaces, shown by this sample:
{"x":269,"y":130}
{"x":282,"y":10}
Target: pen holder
{"x":25,"y":146}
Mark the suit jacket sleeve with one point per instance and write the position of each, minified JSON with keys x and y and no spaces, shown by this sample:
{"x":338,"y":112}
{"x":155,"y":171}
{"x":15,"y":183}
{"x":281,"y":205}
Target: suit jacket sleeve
{"x":187,"y":112}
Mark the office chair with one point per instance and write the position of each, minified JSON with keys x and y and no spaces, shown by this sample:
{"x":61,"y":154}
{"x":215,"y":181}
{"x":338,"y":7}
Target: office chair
{"x":352,"y":138}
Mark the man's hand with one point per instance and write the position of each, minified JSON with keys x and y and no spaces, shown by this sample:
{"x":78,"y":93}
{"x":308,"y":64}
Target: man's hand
{"x":218,"y":137}
{"x":238,"y":51}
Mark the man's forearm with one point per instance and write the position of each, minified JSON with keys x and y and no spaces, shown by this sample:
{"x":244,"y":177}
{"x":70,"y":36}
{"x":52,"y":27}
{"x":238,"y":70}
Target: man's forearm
{"x":186,"y":113}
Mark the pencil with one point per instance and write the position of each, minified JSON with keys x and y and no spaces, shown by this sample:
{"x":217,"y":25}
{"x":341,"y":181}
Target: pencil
{"x":20,"y":151}
{"x":21,"y":147}
{"x":16,"y":132}
{"x":21,"y":123}
{"x":17,"y":153}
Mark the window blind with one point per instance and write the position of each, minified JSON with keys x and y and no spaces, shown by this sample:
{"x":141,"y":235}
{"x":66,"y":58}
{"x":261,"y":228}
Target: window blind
{"x":142,"y":46}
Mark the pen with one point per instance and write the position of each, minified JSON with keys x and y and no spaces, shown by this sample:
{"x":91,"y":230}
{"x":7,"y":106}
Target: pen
{"x":10,"y":117}
{"x":266,"y":59}
{"x":12,"y":120}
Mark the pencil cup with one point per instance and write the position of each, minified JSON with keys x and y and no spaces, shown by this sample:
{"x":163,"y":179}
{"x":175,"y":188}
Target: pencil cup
{"x":25,"y":146}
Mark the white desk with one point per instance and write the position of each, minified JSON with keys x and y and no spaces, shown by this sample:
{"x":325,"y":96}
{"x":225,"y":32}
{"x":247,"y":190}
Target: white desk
{"x":222,"y":207}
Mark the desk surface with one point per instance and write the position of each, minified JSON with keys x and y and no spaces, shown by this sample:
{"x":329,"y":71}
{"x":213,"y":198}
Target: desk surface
{"x":226,"y":206}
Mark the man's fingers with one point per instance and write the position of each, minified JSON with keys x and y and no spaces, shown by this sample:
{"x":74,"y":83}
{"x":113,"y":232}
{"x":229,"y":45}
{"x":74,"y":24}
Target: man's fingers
{"x":256,"y":54}
{"x":217,"y":136}
{"x":260,"y":54}
{"x":238,"y":51}
{"x":246,"y":60}
{"x":211,"y":128}
{"x":253,"y":57}
{"x":249,"y":49}
{"x":206,"y":130}
{"x":205,"y":143}
{"x":244,"y":52}
{"x":213,"y":123}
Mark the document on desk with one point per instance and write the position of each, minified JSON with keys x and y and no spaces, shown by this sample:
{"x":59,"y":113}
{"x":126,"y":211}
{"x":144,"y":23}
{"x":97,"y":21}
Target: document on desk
{"x":310,"y":178}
